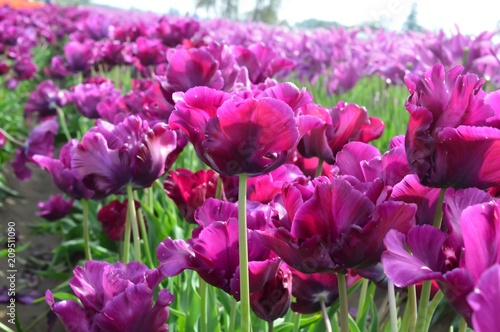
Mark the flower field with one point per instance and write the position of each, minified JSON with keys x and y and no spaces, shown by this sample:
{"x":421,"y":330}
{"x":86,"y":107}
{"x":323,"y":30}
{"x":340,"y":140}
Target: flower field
{"x":224,"y":176}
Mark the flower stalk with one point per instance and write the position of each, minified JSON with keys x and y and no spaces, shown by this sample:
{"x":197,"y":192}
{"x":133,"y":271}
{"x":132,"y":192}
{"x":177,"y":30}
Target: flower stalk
{"x":243,"y":253}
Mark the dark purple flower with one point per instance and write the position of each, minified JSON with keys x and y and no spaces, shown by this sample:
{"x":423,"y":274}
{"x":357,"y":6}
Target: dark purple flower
{"x":262,"y":61}
{"x":235,"y":136}
{"x":55,"y":208}
{"x":57,"y":67}
{"x":79,"y":56}
{"x":39,"y":142}
{"x":264,"y":188}
{"x":110,"y":157}
{"x":173,"y":33}
{"x":62,"y":174}
{"x":45,"y":100}
{"x":273,"y":300}
{"x":485,"y":300}
{"x":113,"y":217}
{"x":150,"y":51}
{"x":25,"y":68}
{"x":116,"y":297}
{"x":449,"y":141}
{"x":213,"y":250}
{"x":190,"y":190}
{"x":88,"y":95}
{"x":436,"y":255}
{"x":310,"y":289}
{"x":343,"y":123}
{"x":333,"y":226}
{"x":4,"y":68}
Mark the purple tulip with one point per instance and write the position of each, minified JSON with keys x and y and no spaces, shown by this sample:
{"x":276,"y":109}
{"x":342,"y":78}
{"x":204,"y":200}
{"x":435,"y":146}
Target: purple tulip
{"x":235,"y":136}
{"x":2,"y":139}
{"x":150,"y":51}
{"x":264,"y":188}
{"x":343,"y":123}
{"x":113,"y":217}
{"x":262,"y":61}
{"x":449,"y":142}
{"x":173,"y":33}
{"x":485,"y":300}
{"x":333,"y":226}
{"x":45,"y":99}
{"x":25,"y":68}
{"x":310,"y":289}
{"x":457,"y":260}
{"x":79,"y":56}
{"x":39,"y":142}
{"x":62,"y":174}
{"x":273,"y":300}
{"x":55,"y":208}
{"x":88,"y":95}
{"x":213,"y":250}
{"x":190,"y":190}
{"x":110,"y":157}
{"x":57,"y":68}
{"x":115,"y":297}
{"x":4,"y":68}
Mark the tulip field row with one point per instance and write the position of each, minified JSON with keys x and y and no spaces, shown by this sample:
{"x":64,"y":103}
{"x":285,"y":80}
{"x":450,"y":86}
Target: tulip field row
{"x":227,"y":176}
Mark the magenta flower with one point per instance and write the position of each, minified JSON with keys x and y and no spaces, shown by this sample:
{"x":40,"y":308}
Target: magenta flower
{"x":213,"y":250}
{"x":261,"y":61}
{"x":457,"y":259}
{"x":4,"y":68}
{"x":88,"y":95}
{"x":150,"y":51}
{"x":310,"y":289}
{"x":45,"y":100}
{"x":485,"y":300}
{"x":79,"y":56}
{"x":62,"y":174}
{"x":113,"y":216}
{"x":264,"y":188}
{"x":110,"y":157}
{"x":25,"y":68}
{"x":116,"y":297}
{"x":235,"y":136}
{"x":273,"y":300}
{"x":39,"y":142}
{"x":57,"y":67}
{"x":190,"y":190}
{"x":55,"y":208}
{"x":173,"y":33}
{"x":449,"y":141}
{"x":2,"y":139}
{"x":333,"y":226}
{"x":343,"y":123}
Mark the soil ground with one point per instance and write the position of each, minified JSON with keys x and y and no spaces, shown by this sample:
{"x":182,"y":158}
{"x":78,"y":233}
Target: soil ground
{"x":22,"y":212}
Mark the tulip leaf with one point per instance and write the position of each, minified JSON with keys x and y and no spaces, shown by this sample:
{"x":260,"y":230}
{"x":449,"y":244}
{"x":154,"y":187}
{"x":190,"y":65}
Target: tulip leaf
{"x":5,"y":252}
{"x":374,"y":316}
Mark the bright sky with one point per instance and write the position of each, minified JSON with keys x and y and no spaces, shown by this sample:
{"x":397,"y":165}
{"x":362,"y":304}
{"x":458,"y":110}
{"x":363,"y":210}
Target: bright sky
{"x":472,"y":17}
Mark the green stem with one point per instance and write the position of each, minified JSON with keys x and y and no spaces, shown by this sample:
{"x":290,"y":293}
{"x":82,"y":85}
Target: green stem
{"x":133,"y":221}
{"x":88,"y":255}
{"x":203,"y":309}
{"x":144,"y":234}
{"x":126,"y":240}
{"x":243,"y":252}
{"x":438,"y":216}
{"x":150,"y":198}
{"x":423,"y":306}
{"x":326,"y":319}
{"x":463,"y":325}
{"x":10,"y":138}
{"x":218,"y":192}
{"x":319,"y":168}
{"x":432,"y":308}
{"x":412,"y":303}
{"x":362,"y":299}
{"x":392,"y":306}
{"x":270,"y":326}
{"x":296,"y":322}
{"x":37,"y":320}
{"x":344,"y":313}
{"x":232,"y":315}
{"x":62,"y":120}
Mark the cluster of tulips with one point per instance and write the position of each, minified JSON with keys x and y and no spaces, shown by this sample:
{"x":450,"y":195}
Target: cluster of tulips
{"x":294,"y":206}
